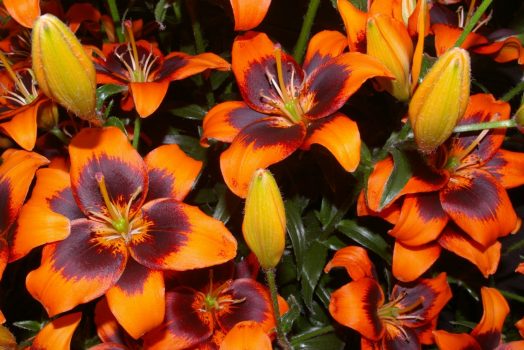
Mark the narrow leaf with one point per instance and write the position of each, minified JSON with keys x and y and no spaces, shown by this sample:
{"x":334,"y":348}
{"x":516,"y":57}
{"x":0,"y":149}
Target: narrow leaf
{"x":314,"y":261}
{"x":399,"y":177}
{"x":366,"y":238}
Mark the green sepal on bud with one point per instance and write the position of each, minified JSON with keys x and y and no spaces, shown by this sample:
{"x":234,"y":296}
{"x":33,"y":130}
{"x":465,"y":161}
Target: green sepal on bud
{"x":264,"y":225}
{"x":63,"y":70}
{"x":440,"y":100}
{"x":519,"y":118}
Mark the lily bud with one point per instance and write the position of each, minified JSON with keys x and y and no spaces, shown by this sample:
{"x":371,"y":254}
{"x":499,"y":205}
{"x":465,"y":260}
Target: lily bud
{"x":7,"y":339}
{"x":388,"y":40}
{"x":264,"y":225}
{"x":63,"y":70}
{"x":440,"y":100}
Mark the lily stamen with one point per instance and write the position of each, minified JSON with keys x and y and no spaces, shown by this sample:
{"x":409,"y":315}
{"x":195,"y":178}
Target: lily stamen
{"x":28,"y":97}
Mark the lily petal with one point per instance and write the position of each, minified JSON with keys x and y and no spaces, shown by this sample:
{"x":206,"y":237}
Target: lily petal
{"x":257,"y":146}
{"x":246,"y":335}
{"x":106,"y":152}
{"x":496,"y":308}
{"x":396,"y":339}
{"x":249,"y":13}
{"x":403,"y":256}
{"x":184,"y":327}
{"x":446,"y":36}
{"x":4,"y":257}
{"x":331,"y":84}
{"x":178,"y":65}
{"x":172,"y":173}
{"x":224,"y":121}
{"x":355,"y":23}
{"x":507,"y":50}
{"x":57,"y":334}
{"x":340,"y":136}
{"x":181,"y":237}
{"x":322,"y":47}
{"x":485,"y":258}
{"x":46,"y":217}
{"x":76,"y":270}
{"x":450,"y":341}
{"x":16,"y":174}
{"x":356,"y":304}
{"x":507,"y":167}
{"x":24,"y":12}
{"x":355,"y":260}
{"x":421,"y":220}
{"x":137,"y":299}
{"x":148,"y":96}
{"x":22,"y":127}
{"x":491,"y":217}
{"x":107,"y":327}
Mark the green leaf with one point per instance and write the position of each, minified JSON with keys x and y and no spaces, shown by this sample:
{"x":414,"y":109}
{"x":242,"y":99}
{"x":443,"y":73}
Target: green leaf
{"x":399,"y":177}
{"x":327,"y":212}
{"x":33,"y":326}
{"x":296,"y":232}
{"x":366,"y":238}
{"x":193,"y":111}
{"x":189,"y":144}
{"x":160,"y":13}
{"x":114,"y":121}
{"x":292,"y":315}
{"x":227,"y":204}
{"x":105,"y":91}
{"x":313,"y":265}
{"x":326,"y":341}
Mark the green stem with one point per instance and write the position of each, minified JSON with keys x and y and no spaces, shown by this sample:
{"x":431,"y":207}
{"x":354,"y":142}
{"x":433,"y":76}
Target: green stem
{"x":136,"y":132}
{"x":498,"y":124}
{"x":272,"y":284}
{"x":178,"y":11}
{"x":513,"y":92}
{"x":113,"y":9}
{"x":60,"y":135}
{"x":305,"y":31}
{"x":513,"y":296}
{"x":311,"y":334}
{"x":473,"y":21}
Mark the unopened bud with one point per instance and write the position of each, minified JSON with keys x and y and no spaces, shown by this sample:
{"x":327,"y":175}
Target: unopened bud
{"x":440,"y":100}
{"x":264,"y":225}
{"x":63,"y":70}
{"x":47,"y":115}
{"x":388,"y":40}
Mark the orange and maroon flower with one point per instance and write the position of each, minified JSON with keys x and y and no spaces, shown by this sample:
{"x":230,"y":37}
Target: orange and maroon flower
{"x":287,"y":107}
{"x":113,"y":225}
{"x":404,"y":322}
{"x":458,"y":201}
{"x":143,"y":68}
{"x":487,"y":335}
{"x":206,"y":304}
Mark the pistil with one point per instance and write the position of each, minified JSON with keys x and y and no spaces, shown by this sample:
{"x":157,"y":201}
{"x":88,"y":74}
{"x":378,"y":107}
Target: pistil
{"x":291,"y":104}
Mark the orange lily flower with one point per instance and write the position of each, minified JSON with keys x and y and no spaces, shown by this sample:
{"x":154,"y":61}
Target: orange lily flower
{"x":404,"y":322}
{"x":249,"y":13}
{"x":206,"y":304}
{"x":57,"y":334}
{"x":287,"y":107}
{"x":436,"y":209}
{"x":113,"y":225}
{"x":24,"y":12}
{"x":487,"y":334}
{"x":147,"y":73}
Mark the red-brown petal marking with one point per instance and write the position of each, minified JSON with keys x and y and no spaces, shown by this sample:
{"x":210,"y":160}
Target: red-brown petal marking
{"x":340,"y":136}
{"x":257,"y":146}
{"x":331,"y":84}
{"x":23,"y":11}
{"x":427,"y":298}
{"x":46,"y":217}
{"x":4,"y":257}
{"x":446,"y":37}
{"x":185,"y":325}
{"x":485,"y":258}
{"x":355,"y":305}
{"x":482,"y":108}
{"x":391,"y":213}
{"x":107,"y":152}
{"x":450,"y":341}
{"x":76,"y":270}
{"x":255,"y":307}
{"x":403,"y":256}
{"x":322,"y":47}
{"x":22,"y":127}
{"x":16,"y":173}
{"x":246,"y":335}
{"x":224,"y":121}
{"x":496,"y":308}
{"x":137,"y":299}
{"x":507,"y":167}
{"x":253,"y":57}
{"x":355,"y":23}
{"x":57,"y":334}
{"x":181,"y":237}
{"x":171,"y":172}
{"x":355,"y":260}
{"x":249,"y":13}
{"x":491,"y":217}
{"x":421,"y":219}
{"x":148,"y":96}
